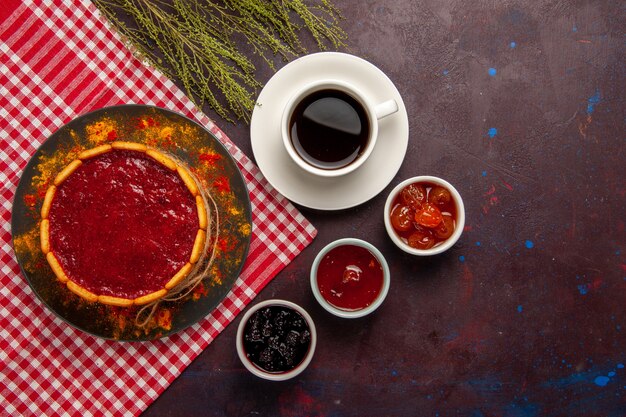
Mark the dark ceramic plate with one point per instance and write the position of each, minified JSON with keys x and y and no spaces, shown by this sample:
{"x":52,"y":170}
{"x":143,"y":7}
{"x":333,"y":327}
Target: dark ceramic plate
{"x":205,"y":155}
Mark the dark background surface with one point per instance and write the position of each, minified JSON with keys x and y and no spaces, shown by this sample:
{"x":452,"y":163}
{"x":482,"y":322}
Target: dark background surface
{"x":520,"y":105}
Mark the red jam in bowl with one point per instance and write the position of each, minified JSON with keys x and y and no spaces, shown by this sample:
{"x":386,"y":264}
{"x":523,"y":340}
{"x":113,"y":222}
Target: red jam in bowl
{"x":350,"y":277}
{"x":424,"y":215}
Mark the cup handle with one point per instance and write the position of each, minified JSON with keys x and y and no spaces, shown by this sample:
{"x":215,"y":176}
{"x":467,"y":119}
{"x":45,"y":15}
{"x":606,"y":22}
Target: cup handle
{"x":386,"y":108}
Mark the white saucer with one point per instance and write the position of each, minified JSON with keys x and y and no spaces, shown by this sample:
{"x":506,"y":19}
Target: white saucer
{"x":302,"y":187}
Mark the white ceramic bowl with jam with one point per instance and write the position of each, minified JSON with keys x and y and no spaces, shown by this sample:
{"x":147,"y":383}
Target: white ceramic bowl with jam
{"x":424,"y":215}
{"x":276,"y":340}
{"x":350,"y":278}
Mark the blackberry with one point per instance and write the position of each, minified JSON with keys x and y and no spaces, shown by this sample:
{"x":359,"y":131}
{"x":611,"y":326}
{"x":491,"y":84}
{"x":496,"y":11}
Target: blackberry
{"x":276,"y":338}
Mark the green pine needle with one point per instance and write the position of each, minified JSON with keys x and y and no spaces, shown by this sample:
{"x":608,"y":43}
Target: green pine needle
{"x":194,"y":41}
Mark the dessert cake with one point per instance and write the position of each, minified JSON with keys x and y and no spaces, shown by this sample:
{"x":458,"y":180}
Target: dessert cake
{"x":123,"y":224}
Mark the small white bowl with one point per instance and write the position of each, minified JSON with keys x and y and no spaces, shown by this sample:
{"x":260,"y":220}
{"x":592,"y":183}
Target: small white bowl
{"x":350,"y":313}
{"x":275,"y":376}
{"x":460,"y":223}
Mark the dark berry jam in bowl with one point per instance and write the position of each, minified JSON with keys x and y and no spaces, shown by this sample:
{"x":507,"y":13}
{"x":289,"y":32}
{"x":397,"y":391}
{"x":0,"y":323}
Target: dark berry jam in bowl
{"x":424,"y":215}
{"x":276,"y":340}
{"x":350,"y":278}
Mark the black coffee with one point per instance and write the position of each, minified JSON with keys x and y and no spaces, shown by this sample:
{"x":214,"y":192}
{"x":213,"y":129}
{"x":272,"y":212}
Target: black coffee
{"x":329,"y":129}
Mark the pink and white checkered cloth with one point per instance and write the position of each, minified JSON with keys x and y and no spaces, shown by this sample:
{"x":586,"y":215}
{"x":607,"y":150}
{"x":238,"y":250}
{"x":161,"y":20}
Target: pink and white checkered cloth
{"x":59,"y":60}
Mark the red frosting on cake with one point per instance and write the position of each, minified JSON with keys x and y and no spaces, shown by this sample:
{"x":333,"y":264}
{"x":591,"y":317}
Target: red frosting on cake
{"x":122,"y":224}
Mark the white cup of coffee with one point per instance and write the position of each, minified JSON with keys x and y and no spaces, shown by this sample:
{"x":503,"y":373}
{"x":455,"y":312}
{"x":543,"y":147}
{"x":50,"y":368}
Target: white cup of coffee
{"x":330,"y":128}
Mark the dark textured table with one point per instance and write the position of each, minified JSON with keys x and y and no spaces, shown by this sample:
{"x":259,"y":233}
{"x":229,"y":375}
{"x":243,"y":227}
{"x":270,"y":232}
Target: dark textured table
{"x":520,"y":105}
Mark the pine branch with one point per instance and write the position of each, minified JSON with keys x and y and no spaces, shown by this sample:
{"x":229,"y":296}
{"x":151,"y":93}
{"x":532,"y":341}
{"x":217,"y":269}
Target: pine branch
{"x":193,"y":41}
